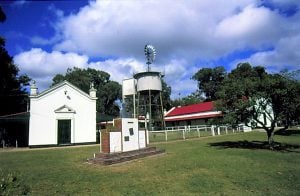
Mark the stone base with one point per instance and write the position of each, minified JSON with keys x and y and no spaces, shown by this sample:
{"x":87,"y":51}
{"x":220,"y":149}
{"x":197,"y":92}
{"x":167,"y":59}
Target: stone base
{"x":109,"y":159}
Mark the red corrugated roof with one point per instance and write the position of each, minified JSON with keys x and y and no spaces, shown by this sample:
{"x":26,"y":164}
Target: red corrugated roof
{"x":190,"y":109}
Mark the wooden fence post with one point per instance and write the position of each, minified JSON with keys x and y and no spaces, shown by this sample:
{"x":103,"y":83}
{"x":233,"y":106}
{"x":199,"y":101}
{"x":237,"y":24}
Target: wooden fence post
{"x":198,"y":131}
{"x":166,"y":135}
{"x":100,"y":146}
{"x":212,"y":130}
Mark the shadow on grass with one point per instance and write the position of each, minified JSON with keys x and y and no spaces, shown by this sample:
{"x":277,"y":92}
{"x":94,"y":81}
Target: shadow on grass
{"x":288,"y":132}
{"x":257,"y":145}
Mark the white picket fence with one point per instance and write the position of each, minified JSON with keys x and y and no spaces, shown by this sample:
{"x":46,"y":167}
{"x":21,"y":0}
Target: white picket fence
{"x":185,"y":132}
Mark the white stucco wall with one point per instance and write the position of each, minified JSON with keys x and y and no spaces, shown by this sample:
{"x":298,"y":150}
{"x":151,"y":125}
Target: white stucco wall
{"x":133,"y":143}
{"x":44,"y":117}
{"x":142,"y":139}
{"x":137,"y":140}
{"x":115,"y":142}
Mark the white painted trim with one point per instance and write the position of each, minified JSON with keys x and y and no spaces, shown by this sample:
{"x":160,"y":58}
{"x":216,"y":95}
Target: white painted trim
{"x":168,"y":112}
{"x":193,"y":115}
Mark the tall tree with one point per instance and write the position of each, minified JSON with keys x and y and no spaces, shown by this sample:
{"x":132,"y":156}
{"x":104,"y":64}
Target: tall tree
{"x":13,"y":97}
{"x":108,"y":92}
{"x":209,"y":81}
{"x":250,"y":95}
{"x":166,"y":93}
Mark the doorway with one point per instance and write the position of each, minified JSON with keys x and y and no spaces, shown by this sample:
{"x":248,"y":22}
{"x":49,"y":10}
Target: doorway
{"x":63,"y":132}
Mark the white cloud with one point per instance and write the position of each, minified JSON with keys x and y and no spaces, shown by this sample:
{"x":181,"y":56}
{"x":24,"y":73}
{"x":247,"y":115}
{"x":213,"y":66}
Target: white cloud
{"x":119,"y":69}
{"x":122,"y":28}
{"x":42,"y":66}
{"x":183,"y":33}
{"x":57,"y":12}
{"x":253,"y":27}
{"x":193,"y":30}
{"x":285,"y":55}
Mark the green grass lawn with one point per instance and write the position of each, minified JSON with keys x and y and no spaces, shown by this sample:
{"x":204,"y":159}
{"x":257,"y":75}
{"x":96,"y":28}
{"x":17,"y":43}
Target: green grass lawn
{"x":191,"y":167}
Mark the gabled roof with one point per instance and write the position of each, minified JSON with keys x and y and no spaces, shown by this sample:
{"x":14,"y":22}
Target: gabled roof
{"x":191,"y":112}
{"x":53,"y":88}
{"x":191,"y":109}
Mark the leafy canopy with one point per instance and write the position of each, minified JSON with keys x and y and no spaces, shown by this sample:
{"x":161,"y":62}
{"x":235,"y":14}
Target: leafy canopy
{"x":251,"y":95}
{"x":210,"y":80}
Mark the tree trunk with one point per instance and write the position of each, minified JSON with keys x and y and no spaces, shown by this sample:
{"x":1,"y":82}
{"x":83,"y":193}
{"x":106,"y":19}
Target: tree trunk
{"x":270,"y":138}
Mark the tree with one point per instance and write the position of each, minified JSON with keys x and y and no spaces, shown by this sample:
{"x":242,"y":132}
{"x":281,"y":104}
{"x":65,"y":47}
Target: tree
{"x":108,"y":92}
{"x":250,"y":95}
{"x":13,"y":97}
{"x":210,"y":80}
{"x":193,"y":98}
{"x":166,"y":93}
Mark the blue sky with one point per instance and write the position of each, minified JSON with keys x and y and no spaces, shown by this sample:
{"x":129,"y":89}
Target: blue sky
{"x":47,"y":37}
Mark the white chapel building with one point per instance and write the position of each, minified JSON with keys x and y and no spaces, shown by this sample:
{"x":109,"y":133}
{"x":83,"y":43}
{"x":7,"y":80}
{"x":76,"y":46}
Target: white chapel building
{"x":62,"y":115}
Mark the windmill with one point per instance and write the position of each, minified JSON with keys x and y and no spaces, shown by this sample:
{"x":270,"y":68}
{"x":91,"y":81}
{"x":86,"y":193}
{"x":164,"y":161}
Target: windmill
{"x":150,"y":54}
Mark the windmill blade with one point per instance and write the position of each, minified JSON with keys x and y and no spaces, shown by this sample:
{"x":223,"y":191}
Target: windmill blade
{"x":150,"y":53}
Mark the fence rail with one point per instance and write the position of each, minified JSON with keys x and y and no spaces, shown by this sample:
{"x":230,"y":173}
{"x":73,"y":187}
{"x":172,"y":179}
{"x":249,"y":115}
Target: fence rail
{"x":194,"y":131}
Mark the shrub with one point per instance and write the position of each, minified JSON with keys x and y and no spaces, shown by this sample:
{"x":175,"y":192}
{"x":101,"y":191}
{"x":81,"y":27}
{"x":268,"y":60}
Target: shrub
{"x":12,"y":184}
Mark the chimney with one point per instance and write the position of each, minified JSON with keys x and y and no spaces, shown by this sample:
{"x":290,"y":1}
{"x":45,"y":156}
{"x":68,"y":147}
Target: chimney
{"x":92,"y":91}
{"x":33,"y":89}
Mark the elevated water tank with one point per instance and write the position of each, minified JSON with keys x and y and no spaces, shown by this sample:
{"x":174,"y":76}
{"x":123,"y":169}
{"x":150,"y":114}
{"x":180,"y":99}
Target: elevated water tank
{"x":150,"y":80}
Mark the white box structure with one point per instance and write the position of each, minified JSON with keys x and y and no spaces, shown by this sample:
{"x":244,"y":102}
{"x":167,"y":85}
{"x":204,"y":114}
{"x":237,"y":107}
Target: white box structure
{"x":126,"y":137}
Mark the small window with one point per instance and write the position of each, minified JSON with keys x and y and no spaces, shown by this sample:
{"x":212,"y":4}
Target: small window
{"x":130,"y":122}
{"x":131,"y":131}
{"x":126,"y":138}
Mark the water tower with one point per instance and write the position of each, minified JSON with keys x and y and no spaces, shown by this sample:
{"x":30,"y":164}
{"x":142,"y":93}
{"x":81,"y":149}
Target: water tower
{"x":142,"y":95}
{"x":149,"y":93}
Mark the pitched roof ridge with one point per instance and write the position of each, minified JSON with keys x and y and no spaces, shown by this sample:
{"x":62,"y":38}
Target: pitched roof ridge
{"x":58,"y":85}
{"x":193,"y":108}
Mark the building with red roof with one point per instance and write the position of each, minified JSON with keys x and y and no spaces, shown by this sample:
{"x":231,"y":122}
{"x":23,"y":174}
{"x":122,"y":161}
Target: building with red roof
{"x":194,"y":114}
